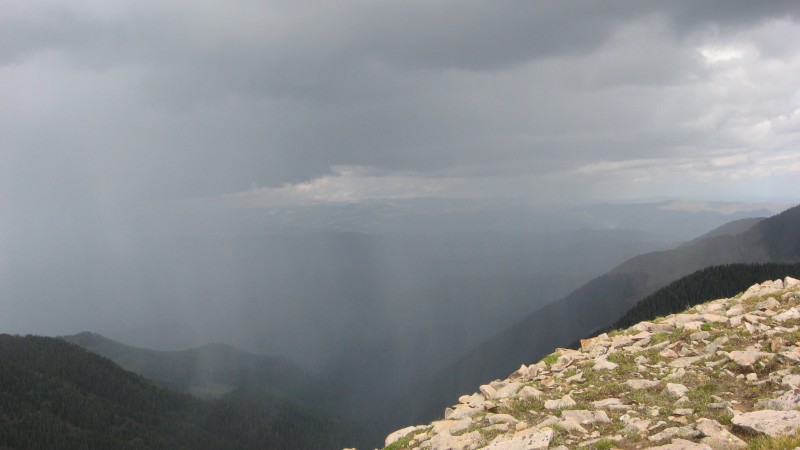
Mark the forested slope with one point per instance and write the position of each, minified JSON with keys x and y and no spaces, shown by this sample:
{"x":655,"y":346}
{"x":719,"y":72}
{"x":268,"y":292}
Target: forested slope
{"x":57,"y":395}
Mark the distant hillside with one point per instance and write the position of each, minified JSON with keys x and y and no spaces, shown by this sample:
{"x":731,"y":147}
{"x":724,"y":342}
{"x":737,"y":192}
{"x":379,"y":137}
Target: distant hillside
{"x":733,"y":228}
{"x":602,"y":301}
{"x":720,"y":375}
{"x":704,"y":285}
{"x":58,"y":395}
{"x":216,"y":370}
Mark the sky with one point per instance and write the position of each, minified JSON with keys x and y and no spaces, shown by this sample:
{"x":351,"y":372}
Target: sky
{"x":112,"y":107}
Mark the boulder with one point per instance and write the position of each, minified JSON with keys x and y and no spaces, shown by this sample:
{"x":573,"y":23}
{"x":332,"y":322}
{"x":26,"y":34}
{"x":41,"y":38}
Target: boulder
{"x":717,"y":436}
{"x":746,"y":358}
{"x":604,"y":364}
{"x":768,"y":422}
{"x":530,"y":439}
{"x":399,"y":434}
{"x":676,"y":390}
{"x":586,"y":417}
{"x":564,"y":402}
{"x":641,"y":384}
{"x":681,"y":444}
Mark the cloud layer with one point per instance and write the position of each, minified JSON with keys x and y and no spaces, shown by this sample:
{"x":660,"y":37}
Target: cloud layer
{"x":121,"y":105}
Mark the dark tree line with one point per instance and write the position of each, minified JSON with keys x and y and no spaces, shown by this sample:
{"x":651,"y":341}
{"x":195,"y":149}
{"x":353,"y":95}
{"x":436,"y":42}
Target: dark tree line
{"x":57,"y":395}
{"x":707,"y":284}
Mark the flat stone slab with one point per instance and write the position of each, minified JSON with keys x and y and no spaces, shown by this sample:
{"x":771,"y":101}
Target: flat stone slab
{"x":786,"y":402}
{"x":397,"y":435}
{"x":641,"y":384}
{"x":528,"y":393}
{"x":684,"y":361}
{"x":564,"y":402}
{"x":769,"y":422}
{"x":585,"y":417}
{"x":507,"y":390}
{"x":524,"y":440}
{"x":676,"y":390}
{"x":681,"y":444}
{"x":501,"y":418}
{"x":746,"y":358}
{"x":604,"y":364}
{"x":717,"y":436}
{"x":605,"y":403}
{"x":450,"y":426}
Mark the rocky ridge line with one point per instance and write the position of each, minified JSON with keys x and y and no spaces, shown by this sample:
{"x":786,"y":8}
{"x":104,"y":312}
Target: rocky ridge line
{"x":718,"y":376}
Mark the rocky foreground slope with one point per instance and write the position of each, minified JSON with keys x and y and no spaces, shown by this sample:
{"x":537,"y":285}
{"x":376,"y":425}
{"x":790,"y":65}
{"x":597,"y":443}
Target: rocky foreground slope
{"x":721,"y":375}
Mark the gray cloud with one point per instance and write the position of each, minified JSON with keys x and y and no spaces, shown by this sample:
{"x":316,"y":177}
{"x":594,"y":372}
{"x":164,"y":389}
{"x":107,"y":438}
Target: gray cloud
{"x":140,"y":102}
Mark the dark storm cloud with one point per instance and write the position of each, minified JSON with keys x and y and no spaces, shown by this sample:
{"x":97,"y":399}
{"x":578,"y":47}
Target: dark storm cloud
{"x":154,"y":100}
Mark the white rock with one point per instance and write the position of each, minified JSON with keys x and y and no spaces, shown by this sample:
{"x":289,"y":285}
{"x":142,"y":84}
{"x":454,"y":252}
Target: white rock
{"x":620,"y":340}
{"x":461,"y":411}
{"x":790,"y":282}
{"x":681,"y":444}
{"x":488,"y":391}
{"x":746,"y":358}
{"x":529,"y":439}
{"x":791,"y":380}
{"x":700,"y":335}
{"x":605,"y":403}
{"x":463,"y":442}
{"x":769,"y":303}
{"x":550,"y":420}
{"x":588,"y":344}
{"x":792,"y":355}
{"x":695,"y":325}
{"x":507,"y":390}
{"x":769,"y":422}
{"x":586,"y":417}
{"x":684,"y":361}
{"x":676,"y":390}
{"x":564,"y":402}
{"x":641,"y":384}
{"x":752,"y":291}
{"x":502,"y":418}
{"x":714,"y":318}
{"x":604,"y":364}
{"x":790,"y":400}
{"x":399,"y":434}
{"x":789,"y":314}
{"x":717,"y":436}
{"x":638,"y":426}
{"x":572,"y":425}
{"x":669,"y":433}
{"x":476,"y":400}
{"x":450,"y":426}
{"x":529,"y":393}
{"x":668,"y":353}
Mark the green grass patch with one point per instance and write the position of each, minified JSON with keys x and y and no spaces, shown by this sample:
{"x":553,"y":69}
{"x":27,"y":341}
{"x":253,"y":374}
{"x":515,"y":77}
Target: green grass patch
{"x":399,"y":444}
{"x":604,"y":444}
{"x":551,"y":358}
{"x":775,"y":443}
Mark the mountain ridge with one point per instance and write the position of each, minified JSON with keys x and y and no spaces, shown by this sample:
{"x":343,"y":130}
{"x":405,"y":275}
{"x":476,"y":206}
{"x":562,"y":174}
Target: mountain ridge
{"x":215,"y":370}
{"x":58,"y":395}
{"x":603,"y":300}
{"x":720,"y":375}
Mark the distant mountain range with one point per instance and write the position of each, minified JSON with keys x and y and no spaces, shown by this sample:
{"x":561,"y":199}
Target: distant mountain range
{"x":217,"y":371}
{"x":385,"y":335}
{"x":58,"y":395}
{"x":605,"y":299}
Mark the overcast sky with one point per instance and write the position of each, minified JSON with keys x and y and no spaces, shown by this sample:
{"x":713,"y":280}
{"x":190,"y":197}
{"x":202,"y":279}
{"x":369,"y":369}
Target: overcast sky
{"x":113,"y":105}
